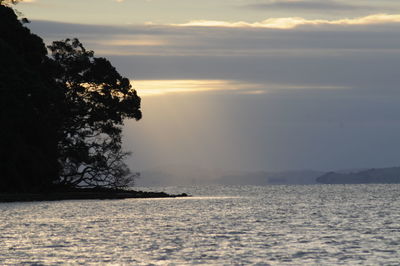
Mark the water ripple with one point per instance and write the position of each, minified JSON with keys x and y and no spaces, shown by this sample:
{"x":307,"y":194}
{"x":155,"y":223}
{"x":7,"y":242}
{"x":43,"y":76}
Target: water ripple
{"x":278,"y":225}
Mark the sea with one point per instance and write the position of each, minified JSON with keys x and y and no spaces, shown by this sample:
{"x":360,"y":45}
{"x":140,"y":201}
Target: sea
{"x":217,"y":225}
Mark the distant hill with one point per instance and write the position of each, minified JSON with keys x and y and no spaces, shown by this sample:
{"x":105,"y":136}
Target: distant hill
{"x":371,"y":176}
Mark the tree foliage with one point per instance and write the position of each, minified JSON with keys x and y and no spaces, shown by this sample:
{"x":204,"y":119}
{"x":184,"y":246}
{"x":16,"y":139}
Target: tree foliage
{"x":60,"y":115}
{"x":28,"y":135}
{"x":8,"y":2}
{"x":97,"y":100}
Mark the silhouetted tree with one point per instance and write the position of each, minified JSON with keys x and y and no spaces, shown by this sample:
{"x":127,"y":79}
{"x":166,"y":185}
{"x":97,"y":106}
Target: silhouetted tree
{"x":97,"y":100}
{"x":28,"y":122}
{"x":60,"y":116}
{"x":8,"y":2}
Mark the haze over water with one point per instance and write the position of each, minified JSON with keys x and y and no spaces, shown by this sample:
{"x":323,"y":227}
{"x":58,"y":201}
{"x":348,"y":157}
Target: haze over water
{"x":275,"y":225}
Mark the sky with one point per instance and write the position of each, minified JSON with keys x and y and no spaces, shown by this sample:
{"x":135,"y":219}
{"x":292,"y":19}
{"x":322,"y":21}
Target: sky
{"x":247,"y":84}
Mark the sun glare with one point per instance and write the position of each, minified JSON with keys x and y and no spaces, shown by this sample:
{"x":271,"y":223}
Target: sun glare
{"x":148,"y":88}
{"x":161,"y":87}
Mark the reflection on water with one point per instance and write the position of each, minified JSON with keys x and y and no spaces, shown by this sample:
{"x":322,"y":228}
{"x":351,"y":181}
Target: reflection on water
{"x":220,"y":225}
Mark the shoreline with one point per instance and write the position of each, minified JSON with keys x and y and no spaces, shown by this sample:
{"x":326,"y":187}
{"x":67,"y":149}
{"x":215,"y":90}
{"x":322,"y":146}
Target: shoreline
{"x":85,"y":194}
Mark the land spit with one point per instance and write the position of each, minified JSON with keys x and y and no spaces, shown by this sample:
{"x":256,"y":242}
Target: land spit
{"x":85,"y":194}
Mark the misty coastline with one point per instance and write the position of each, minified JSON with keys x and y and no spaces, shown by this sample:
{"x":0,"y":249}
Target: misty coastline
{"x":173,"y":175}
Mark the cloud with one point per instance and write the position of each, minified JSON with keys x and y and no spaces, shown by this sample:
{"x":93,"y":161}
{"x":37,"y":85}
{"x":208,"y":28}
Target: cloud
{"x":177,"y":41}
{"x":365,"y":57}
{"x":308,"y":5}
{"x":153,"y":87}
{"x":293,"y":22}
{"x":162,"y":87}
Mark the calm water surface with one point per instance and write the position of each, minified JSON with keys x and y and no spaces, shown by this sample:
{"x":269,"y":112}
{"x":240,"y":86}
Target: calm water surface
{"x":277,"y":225}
